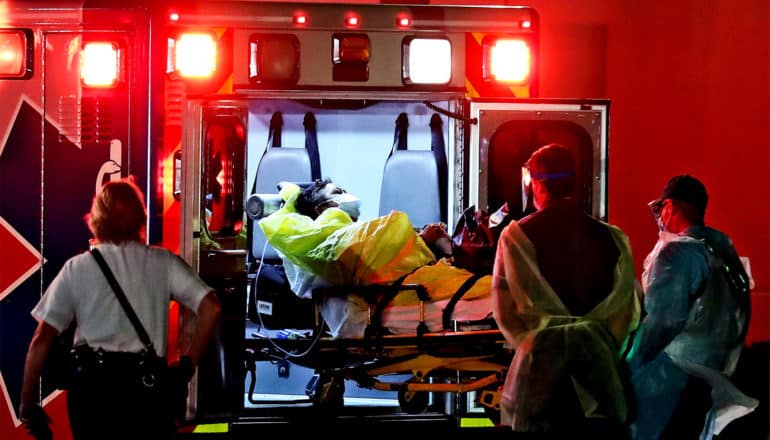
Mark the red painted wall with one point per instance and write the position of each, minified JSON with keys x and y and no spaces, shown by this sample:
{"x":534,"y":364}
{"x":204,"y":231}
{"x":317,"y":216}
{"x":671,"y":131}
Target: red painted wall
{"x":689,"y":83}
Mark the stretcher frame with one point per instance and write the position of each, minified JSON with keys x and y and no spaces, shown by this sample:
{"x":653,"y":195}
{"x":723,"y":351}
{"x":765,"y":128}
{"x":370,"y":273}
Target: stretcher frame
{"x":449,"y":361}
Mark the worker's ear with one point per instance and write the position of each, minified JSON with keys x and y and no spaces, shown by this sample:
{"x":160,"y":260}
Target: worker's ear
{"x":538,"y":193}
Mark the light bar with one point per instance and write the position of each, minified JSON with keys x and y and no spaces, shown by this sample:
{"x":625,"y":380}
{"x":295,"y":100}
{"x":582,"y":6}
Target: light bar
{"x":507,"y":60}
{"x":195,"y":55}
{"x":16,"y":53}
{"x":99,"y":64}
{"x":427,"y":61}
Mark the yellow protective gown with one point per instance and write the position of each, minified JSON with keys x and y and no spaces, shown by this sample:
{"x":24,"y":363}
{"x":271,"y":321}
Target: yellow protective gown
{"x":381,"y":250}
{"x":555,"y":353}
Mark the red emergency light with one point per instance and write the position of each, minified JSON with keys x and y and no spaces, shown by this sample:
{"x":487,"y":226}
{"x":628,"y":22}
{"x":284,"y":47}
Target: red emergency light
{"x":352,"y":20}
{"x":100,"y":64}
{"x":193,"y":55}
{"x":16,"y":46}
{"x":300,"y":19}
{"x":507,"y":60}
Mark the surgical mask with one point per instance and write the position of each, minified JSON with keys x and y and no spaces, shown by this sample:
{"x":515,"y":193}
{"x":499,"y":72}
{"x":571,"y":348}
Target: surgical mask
{"x":349,"y":203}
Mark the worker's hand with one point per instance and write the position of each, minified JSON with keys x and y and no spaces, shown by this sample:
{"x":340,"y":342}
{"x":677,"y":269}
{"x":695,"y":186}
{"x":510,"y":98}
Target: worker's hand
{"x":36,"y":421}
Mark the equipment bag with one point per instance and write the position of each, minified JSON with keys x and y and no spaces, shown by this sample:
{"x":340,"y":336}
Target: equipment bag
{"x":273,"y":305}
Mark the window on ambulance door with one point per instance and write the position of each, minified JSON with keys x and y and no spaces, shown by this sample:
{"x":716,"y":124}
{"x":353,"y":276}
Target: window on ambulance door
{"x":223,"y":176}
{"x":513,"y":143}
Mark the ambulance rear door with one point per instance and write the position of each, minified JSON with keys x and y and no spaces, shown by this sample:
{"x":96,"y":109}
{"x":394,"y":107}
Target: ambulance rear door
{"x":503,"y":134}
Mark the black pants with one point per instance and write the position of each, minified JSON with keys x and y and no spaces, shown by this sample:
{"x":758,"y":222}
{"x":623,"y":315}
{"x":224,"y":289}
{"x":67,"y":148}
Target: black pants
{"x":111,"y":403}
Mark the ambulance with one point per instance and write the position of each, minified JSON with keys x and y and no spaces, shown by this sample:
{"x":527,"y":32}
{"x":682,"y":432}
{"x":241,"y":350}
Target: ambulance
{"x":210,"y":105}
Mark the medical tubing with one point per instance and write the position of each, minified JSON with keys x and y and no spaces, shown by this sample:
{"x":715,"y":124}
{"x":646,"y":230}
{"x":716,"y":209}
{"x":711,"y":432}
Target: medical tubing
{"x":316,"y":331}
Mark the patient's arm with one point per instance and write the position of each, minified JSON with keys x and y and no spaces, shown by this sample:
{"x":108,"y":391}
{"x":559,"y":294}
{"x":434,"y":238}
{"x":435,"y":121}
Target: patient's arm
{"x":437,"y":238}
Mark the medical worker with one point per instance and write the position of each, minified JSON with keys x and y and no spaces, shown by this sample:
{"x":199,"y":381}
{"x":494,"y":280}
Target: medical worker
{"x":108,"y":398}
{"x":696,"y":300}
{"x":564,"y":297}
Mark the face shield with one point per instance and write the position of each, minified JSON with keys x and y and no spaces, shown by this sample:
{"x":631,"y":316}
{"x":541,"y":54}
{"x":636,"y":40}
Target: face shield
{"x":527,"y":202}
{"x":656,"y":207}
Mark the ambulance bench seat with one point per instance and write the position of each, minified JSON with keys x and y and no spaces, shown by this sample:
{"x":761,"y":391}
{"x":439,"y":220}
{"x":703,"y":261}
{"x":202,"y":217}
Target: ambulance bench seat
{"x":410,"y":184}
{"x":279,"y":164}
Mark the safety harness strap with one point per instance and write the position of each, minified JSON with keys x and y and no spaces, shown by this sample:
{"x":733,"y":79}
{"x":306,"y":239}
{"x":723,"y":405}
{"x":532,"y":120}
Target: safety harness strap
{"x":446,"y":315}
{"x":439,"y":152}
{"x":311,"y":145}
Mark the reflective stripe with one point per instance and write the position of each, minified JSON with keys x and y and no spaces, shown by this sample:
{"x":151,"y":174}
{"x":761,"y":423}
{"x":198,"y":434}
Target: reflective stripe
{"x":211,"y":428}
{"x":476,"y":422}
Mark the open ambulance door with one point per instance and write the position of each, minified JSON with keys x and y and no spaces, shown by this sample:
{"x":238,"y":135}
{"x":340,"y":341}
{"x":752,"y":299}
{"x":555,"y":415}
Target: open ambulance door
{"x":213,"y":241}
{"x":504,"y":134}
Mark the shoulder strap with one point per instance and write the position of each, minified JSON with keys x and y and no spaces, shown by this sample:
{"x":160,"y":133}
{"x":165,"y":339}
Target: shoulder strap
{"x":311,"y":145}
{"x":439,"y":152}
{"x":273,"y":140}
{"x":143,"y":336}
{"x":274,"y":135}
{"x":732,"y":269}
{"x":400,"y":133}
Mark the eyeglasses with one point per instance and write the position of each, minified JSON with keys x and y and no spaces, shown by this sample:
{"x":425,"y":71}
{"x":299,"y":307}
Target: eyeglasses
{"x":656,"y":207}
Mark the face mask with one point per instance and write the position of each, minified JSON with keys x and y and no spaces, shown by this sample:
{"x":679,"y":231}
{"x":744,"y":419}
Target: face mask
{"x":348,"y":203}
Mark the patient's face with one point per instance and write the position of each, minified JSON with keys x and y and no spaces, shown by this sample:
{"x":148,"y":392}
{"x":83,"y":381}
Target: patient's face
{"x":327,"y":192}
{"x":331,"y":195}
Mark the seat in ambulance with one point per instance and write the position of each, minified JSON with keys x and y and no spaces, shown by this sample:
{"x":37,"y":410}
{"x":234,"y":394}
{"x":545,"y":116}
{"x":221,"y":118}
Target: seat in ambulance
{"x":415,"y":181}
{"x":279,"y":164}
{"x":271,"y":303}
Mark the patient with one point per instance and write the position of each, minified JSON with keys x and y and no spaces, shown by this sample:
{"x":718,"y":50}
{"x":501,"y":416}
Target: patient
{"x":322,"y":244}
{"x":324,"y":194}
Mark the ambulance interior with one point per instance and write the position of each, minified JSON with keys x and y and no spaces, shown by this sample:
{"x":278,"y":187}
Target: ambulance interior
{"x":291,"y":358}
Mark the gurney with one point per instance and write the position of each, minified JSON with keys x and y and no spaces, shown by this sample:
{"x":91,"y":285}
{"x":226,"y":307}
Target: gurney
{"x":385,"y":307}
{"x":461,"y":356}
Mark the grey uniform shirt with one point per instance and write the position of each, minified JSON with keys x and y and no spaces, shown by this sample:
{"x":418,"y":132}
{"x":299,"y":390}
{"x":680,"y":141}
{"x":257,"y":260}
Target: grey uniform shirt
{"x":149,"y":276}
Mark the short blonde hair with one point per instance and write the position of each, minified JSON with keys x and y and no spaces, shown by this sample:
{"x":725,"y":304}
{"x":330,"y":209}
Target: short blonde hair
{"x":118,"y":213}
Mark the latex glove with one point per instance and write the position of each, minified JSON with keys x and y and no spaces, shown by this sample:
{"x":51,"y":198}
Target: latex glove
{"x":36,"y":421}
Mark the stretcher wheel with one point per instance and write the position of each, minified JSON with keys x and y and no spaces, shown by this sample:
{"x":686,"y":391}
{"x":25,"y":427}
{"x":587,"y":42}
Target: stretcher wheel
{"x":329,"y":392}
{"x":489,"y":399}
{"x":413,"y":402}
